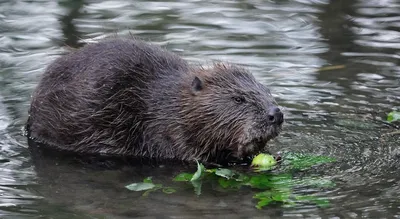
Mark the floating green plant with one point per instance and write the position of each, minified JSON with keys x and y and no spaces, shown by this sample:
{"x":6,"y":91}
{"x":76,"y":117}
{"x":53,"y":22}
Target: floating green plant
{"x":393,"y":116}
{"x":268,"y":187}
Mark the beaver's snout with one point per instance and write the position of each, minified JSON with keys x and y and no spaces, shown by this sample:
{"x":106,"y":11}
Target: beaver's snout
{"x":275,"y":116}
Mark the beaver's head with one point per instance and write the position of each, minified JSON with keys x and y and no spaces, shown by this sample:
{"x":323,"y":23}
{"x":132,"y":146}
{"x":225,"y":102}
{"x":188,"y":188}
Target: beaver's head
{"x":228,"y":114}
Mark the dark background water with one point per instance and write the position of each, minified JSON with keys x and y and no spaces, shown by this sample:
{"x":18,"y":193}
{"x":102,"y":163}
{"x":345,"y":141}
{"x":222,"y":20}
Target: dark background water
{"x":334,"y":112}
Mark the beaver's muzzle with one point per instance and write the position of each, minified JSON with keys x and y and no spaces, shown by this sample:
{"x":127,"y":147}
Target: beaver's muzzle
{"x":275,"y":116}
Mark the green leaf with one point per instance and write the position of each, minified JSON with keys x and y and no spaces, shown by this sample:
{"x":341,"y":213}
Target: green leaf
{"x":242,"y":178}
{"x":264,"y":181}
{"x":281,"y":180}
{"x":263,"y":195}
{"x":282,"y":195}
{"x":274,"y":195}
{"x":289,"y":204}
{"x":304,"y":161}
{"x":224,"y":183}
{"x":393,"y":116}
{"x":168,"y":190}
{"x":226,"y":173}
{"x":147,"y":180}
{"x":229,"y":183}
{"x":279,"y":197}
{"x":198,"y":173}
{"x":260,"y":182}
{"x":183,"y":177}
{"x":140,"y":186}
{"x":263,"y":202}
{"x":265,"y":198}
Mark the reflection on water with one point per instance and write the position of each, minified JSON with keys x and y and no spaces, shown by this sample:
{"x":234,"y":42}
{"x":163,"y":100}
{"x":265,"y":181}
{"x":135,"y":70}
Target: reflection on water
{"x":335,"y":112}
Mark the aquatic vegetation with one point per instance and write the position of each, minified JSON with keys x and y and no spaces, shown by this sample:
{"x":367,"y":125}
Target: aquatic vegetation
{"x":268,"y":187}
{"x":393,"y":116}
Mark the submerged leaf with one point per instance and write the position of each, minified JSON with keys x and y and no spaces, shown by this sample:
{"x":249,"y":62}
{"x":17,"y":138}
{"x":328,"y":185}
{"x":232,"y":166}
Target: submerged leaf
{"x":229,"y":183}
{"x":263,"y":202}
{"x":264,"y":181}
{"x":303,"y":161}
{"x":260,"y":182}
{"x":168,"y":190}
{"x":183,"y":177}
{"x":140,"y":186}
{"x":226,"y":173}
{"x":267,"y":197}
{"x":197,"y":186}
{"x":242,"y":178}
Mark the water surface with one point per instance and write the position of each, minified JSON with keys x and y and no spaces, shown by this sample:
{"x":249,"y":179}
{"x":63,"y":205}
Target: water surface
{"x":287,"y":44}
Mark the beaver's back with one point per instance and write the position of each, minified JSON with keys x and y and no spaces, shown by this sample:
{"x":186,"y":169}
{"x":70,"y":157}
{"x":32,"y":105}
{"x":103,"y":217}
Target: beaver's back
{"x":96,"y":99}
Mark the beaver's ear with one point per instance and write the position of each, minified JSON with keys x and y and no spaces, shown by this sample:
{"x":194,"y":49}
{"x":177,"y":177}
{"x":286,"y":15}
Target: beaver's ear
{"x":197,"y":84}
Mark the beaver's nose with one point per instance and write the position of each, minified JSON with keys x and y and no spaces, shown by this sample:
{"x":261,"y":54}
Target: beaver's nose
{"x":275,"y":116}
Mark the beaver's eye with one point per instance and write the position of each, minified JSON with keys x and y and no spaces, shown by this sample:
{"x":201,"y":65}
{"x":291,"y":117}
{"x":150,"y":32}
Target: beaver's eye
{"x":239,"y":99}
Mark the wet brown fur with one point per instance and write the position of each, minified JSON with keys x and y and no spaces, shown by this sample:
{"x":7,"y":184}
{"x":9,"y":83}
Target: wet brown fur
{"x":127,"y":97}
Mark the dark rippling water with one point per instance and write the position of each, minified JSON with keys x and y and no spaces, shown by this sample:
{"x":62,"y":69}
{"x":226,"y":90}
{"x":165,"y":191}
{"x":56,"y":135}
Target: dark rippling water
{"x":334,"y":112}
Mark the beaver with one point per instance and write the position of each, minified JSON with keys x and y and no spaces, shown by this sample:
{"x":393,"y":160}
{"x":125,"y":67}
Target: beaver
{"x":127,"y":97}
